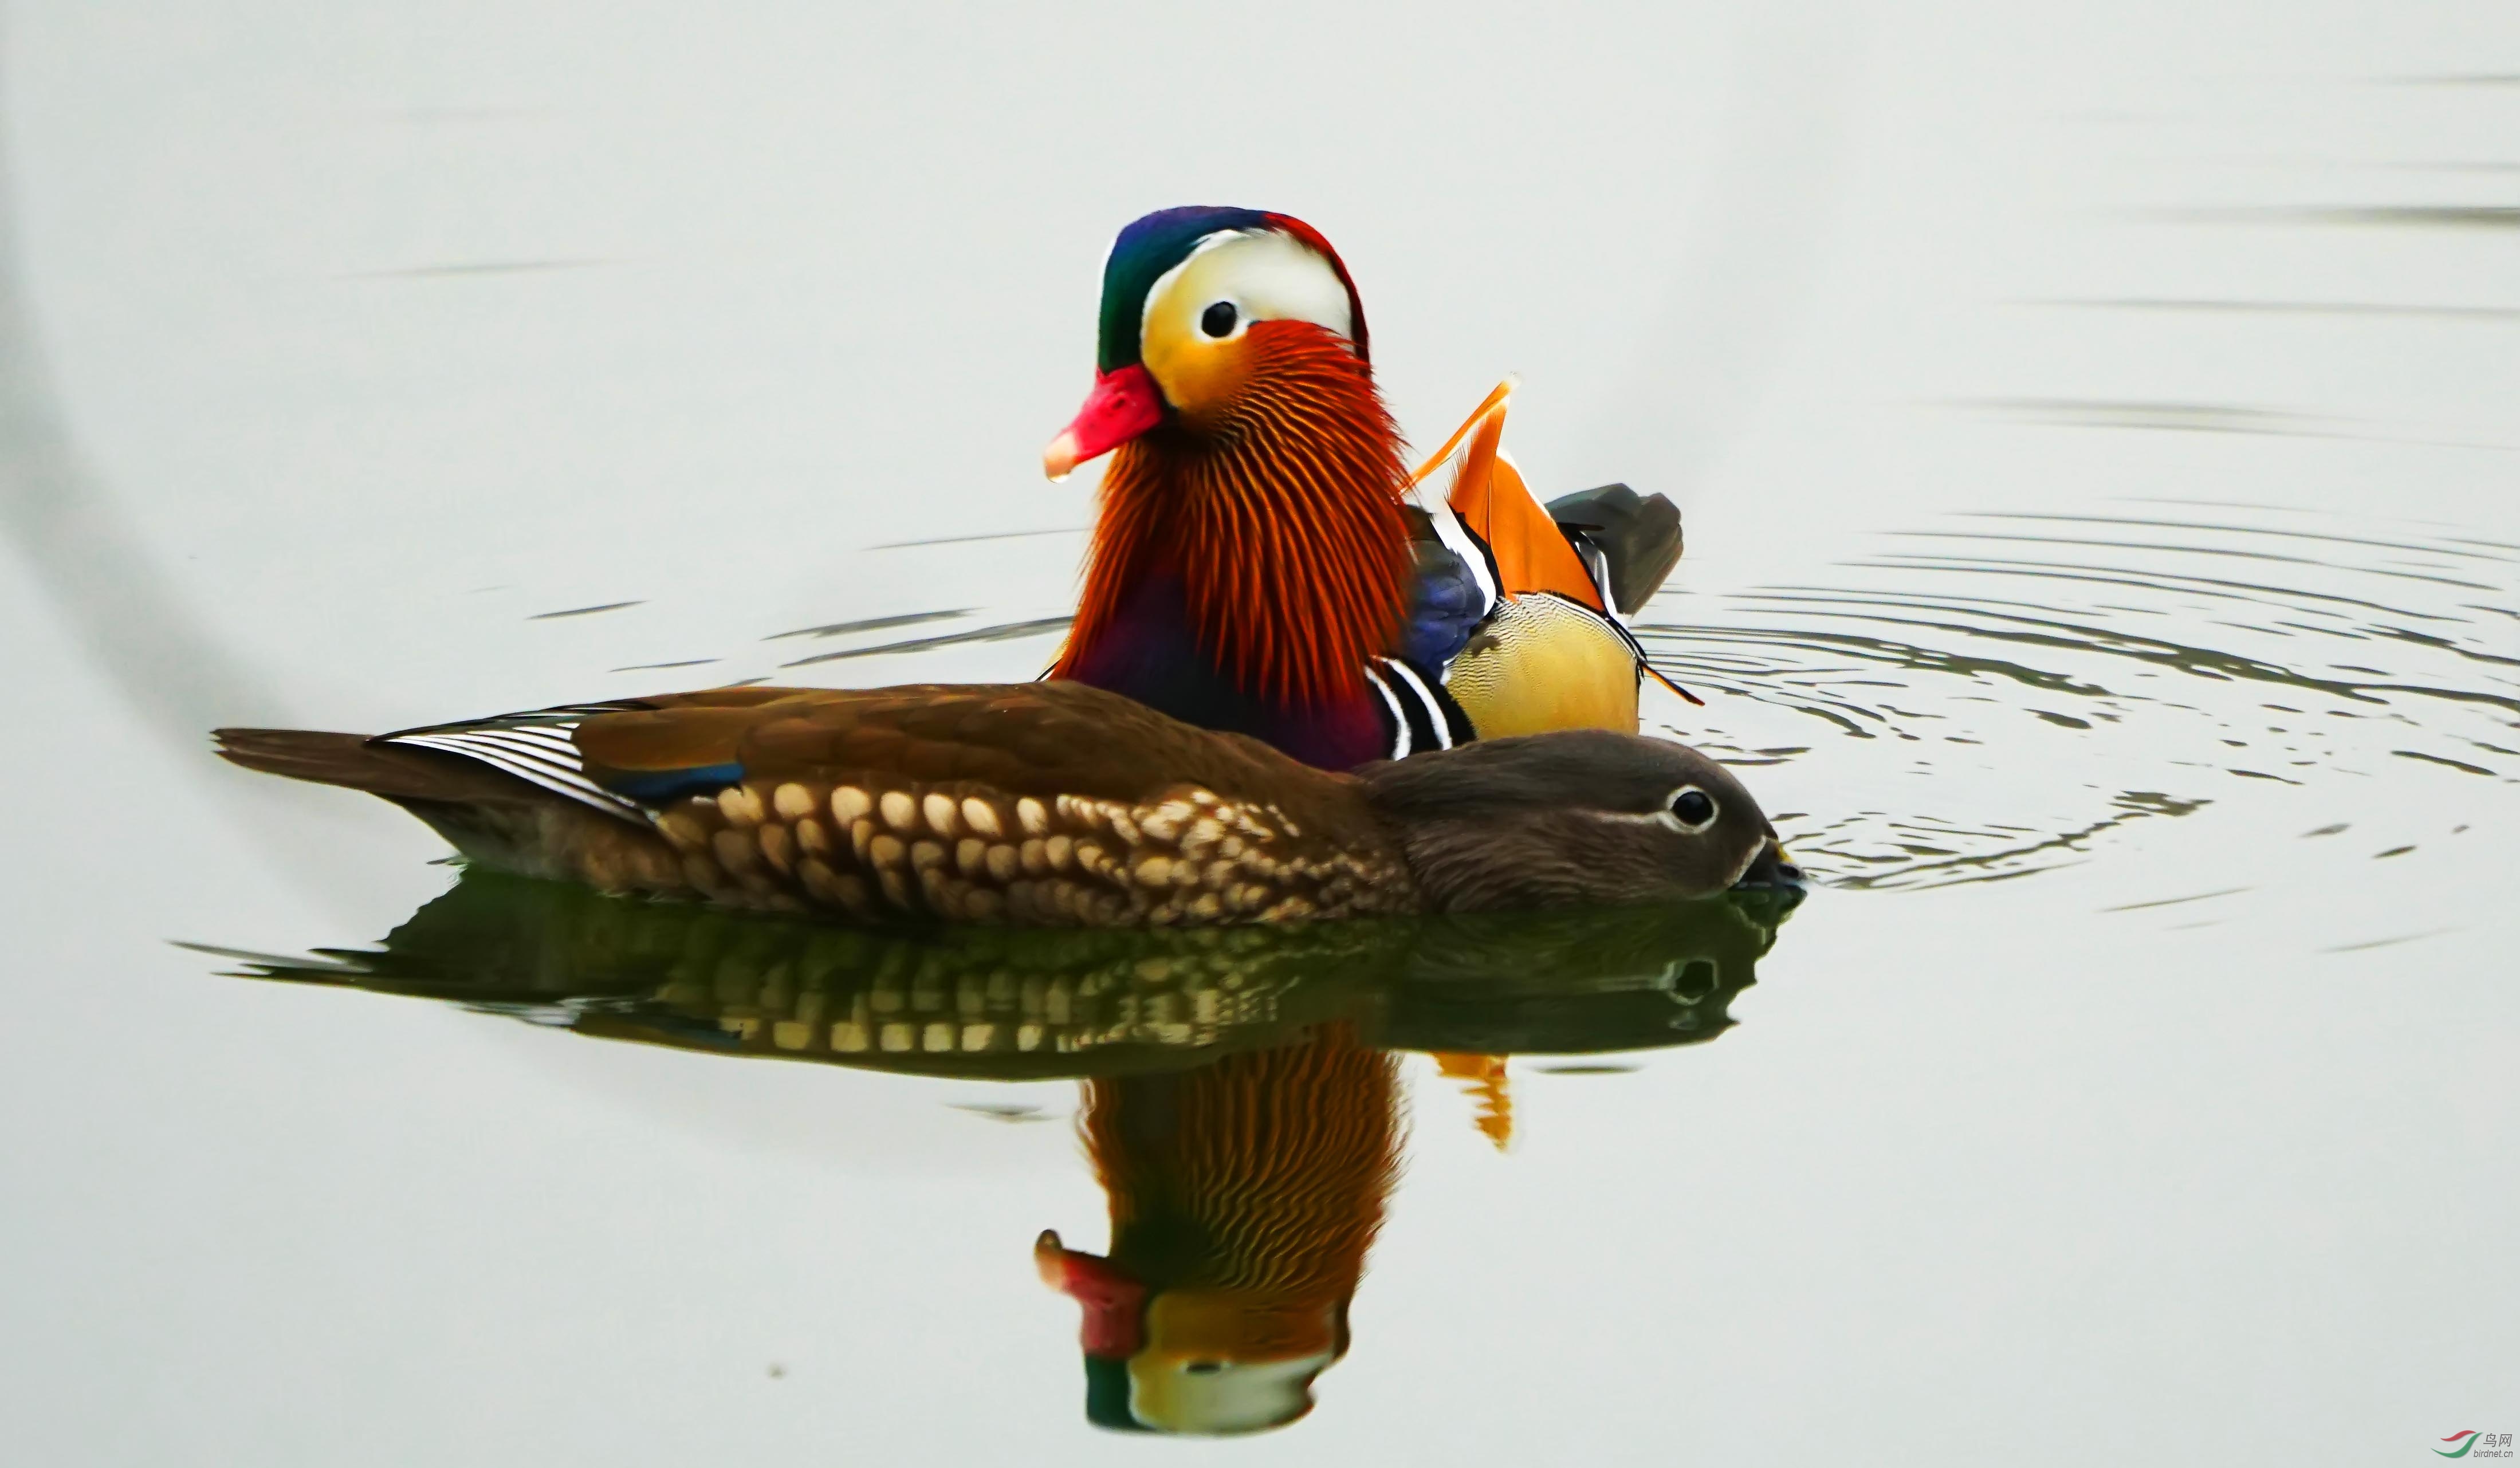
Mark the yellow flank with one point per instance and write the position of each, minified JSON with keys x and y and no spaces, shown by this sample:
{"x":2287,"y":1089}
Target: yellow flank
{"x":1541,"y":664}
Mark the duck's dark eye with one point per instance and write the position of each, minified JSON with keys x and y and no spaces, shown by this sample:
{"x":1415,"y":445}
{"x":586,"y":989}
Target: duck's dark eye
{"x":1695,"y":808}
{"x":1218,"y":320}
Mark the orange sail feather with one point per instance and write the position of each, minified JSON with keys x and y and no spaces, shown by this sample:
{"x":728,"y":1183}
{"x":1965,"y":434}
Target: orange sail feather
{"x":1493,"y":502}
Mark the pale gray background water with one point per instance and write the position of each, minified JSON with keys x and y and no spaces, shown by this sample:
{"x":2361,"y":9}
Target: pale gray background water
{"x":341,"y":340}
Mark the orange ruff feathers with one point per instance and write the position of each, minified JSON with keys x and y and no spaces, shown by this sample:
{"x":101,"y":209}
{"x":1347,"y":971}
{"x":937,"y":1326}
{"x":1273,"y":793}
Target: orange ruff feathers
{"x":1287,"y":534}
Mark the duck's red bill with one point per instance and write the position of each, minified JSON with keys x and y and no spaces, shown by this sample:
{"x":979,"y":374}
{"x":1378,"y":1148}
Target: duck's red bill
{"x":1114,"y":1303}
{"x":1124,"y":403}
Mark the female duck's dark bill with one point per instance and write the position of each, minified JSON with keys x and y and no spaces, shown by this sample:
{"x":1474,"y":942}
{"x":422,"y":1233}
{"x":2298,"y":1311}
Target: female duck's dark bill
{"x":1771,"y":871}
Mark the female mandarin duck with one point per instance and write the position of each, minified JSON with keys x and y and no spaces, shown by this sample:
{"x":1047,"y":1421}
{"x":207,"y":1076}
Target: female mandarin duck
{"x":1256,"y":568}
{"x":1049,"y":804}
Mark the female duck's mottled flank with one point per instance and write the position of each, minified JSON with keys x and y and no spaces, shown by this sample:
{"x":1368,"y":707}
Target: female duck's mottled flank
{"x":1256,"y":567}
{"x":1043,"y":804}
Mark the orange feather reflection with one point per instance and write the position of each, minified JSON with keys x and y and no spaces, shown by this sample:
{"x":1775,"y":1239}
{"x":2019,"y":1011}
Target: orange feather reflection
{"x":1487,"y":1087}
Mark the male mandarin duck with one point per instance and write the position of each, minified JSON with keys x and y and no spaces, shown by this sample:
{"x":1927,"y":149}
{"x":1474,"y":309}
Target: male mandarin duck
{"x":1257,"y":565}
{"x":1053,"y":804}
{"x":1244,"y":1198}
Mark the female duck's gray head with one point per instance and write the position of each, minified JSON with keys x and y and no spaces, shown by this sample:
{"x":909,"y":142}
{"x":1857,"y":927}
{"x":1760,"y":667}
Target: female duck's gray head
{"x":1577,"y":817}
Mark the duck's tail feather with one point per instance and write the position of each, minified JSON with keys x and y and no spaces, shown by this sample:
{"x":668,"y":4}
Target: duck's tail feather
{"x":354,"y":762}
{"x":1638,"y":535}
{"x":492,"y":816}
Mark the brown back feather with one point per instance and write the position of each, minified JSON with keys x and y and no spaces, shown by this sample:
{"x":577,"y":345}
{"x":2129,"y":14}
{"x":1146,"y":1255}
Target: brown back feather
{"x":1039,"y":739}
{"x":354,"y":762}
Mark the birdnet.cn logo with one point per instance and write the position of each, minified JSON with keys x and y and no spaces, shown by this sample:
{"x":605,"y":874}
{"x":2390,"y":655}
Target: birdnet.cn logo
{"x":2471,"y":1444}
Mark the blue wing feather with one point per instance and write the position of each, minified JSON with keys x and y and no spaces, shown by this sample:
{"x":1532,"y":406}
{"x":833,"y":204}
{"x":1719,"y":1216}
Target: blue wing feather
{"x":1446,"y":605}
{"x":657,"y":787}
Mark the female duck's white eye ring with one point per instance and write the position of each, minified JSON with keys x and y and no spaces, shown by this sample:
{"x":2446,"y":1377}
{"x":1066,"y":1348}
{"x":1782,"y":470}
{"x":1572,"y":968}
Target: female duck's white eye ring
{"x":1692,"y":810}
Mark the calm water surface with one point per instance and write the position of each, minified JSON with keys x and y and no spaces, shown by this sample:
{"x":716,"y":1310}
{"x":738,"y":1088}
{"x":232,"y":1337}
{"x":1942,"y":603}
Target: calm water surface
{"x":2096,"y":431}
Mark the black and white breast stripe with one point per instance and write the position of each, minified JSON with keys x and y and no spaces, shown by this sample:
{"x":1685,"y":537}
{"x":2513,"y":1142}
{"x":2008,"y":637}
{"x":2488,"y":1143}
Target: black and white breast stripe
{"x":1467,"y":546}
{"x":536,"y":748}
{"x":1418,"y":714}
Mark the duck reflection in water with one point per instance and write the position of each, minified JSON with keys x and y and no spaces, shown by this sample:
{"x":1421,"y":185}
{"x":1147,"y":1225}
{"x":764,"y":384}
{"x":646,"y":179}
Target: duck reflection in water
{"x":1244,"y":1195}
{"x":1241,"y":1103}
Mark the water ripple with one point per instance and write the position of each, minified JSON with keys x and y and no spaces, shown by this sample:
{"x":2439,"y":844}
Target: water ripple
{"x":2027,"y":701}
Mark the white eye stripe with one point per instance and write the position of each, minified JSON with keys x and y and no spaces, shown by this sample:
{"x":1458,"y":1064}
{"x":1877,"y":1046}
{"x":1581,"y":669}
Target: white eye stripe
{"x":1666,"y":818}
{"x":1162,"y":291}
{"x":1266,"y":276}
